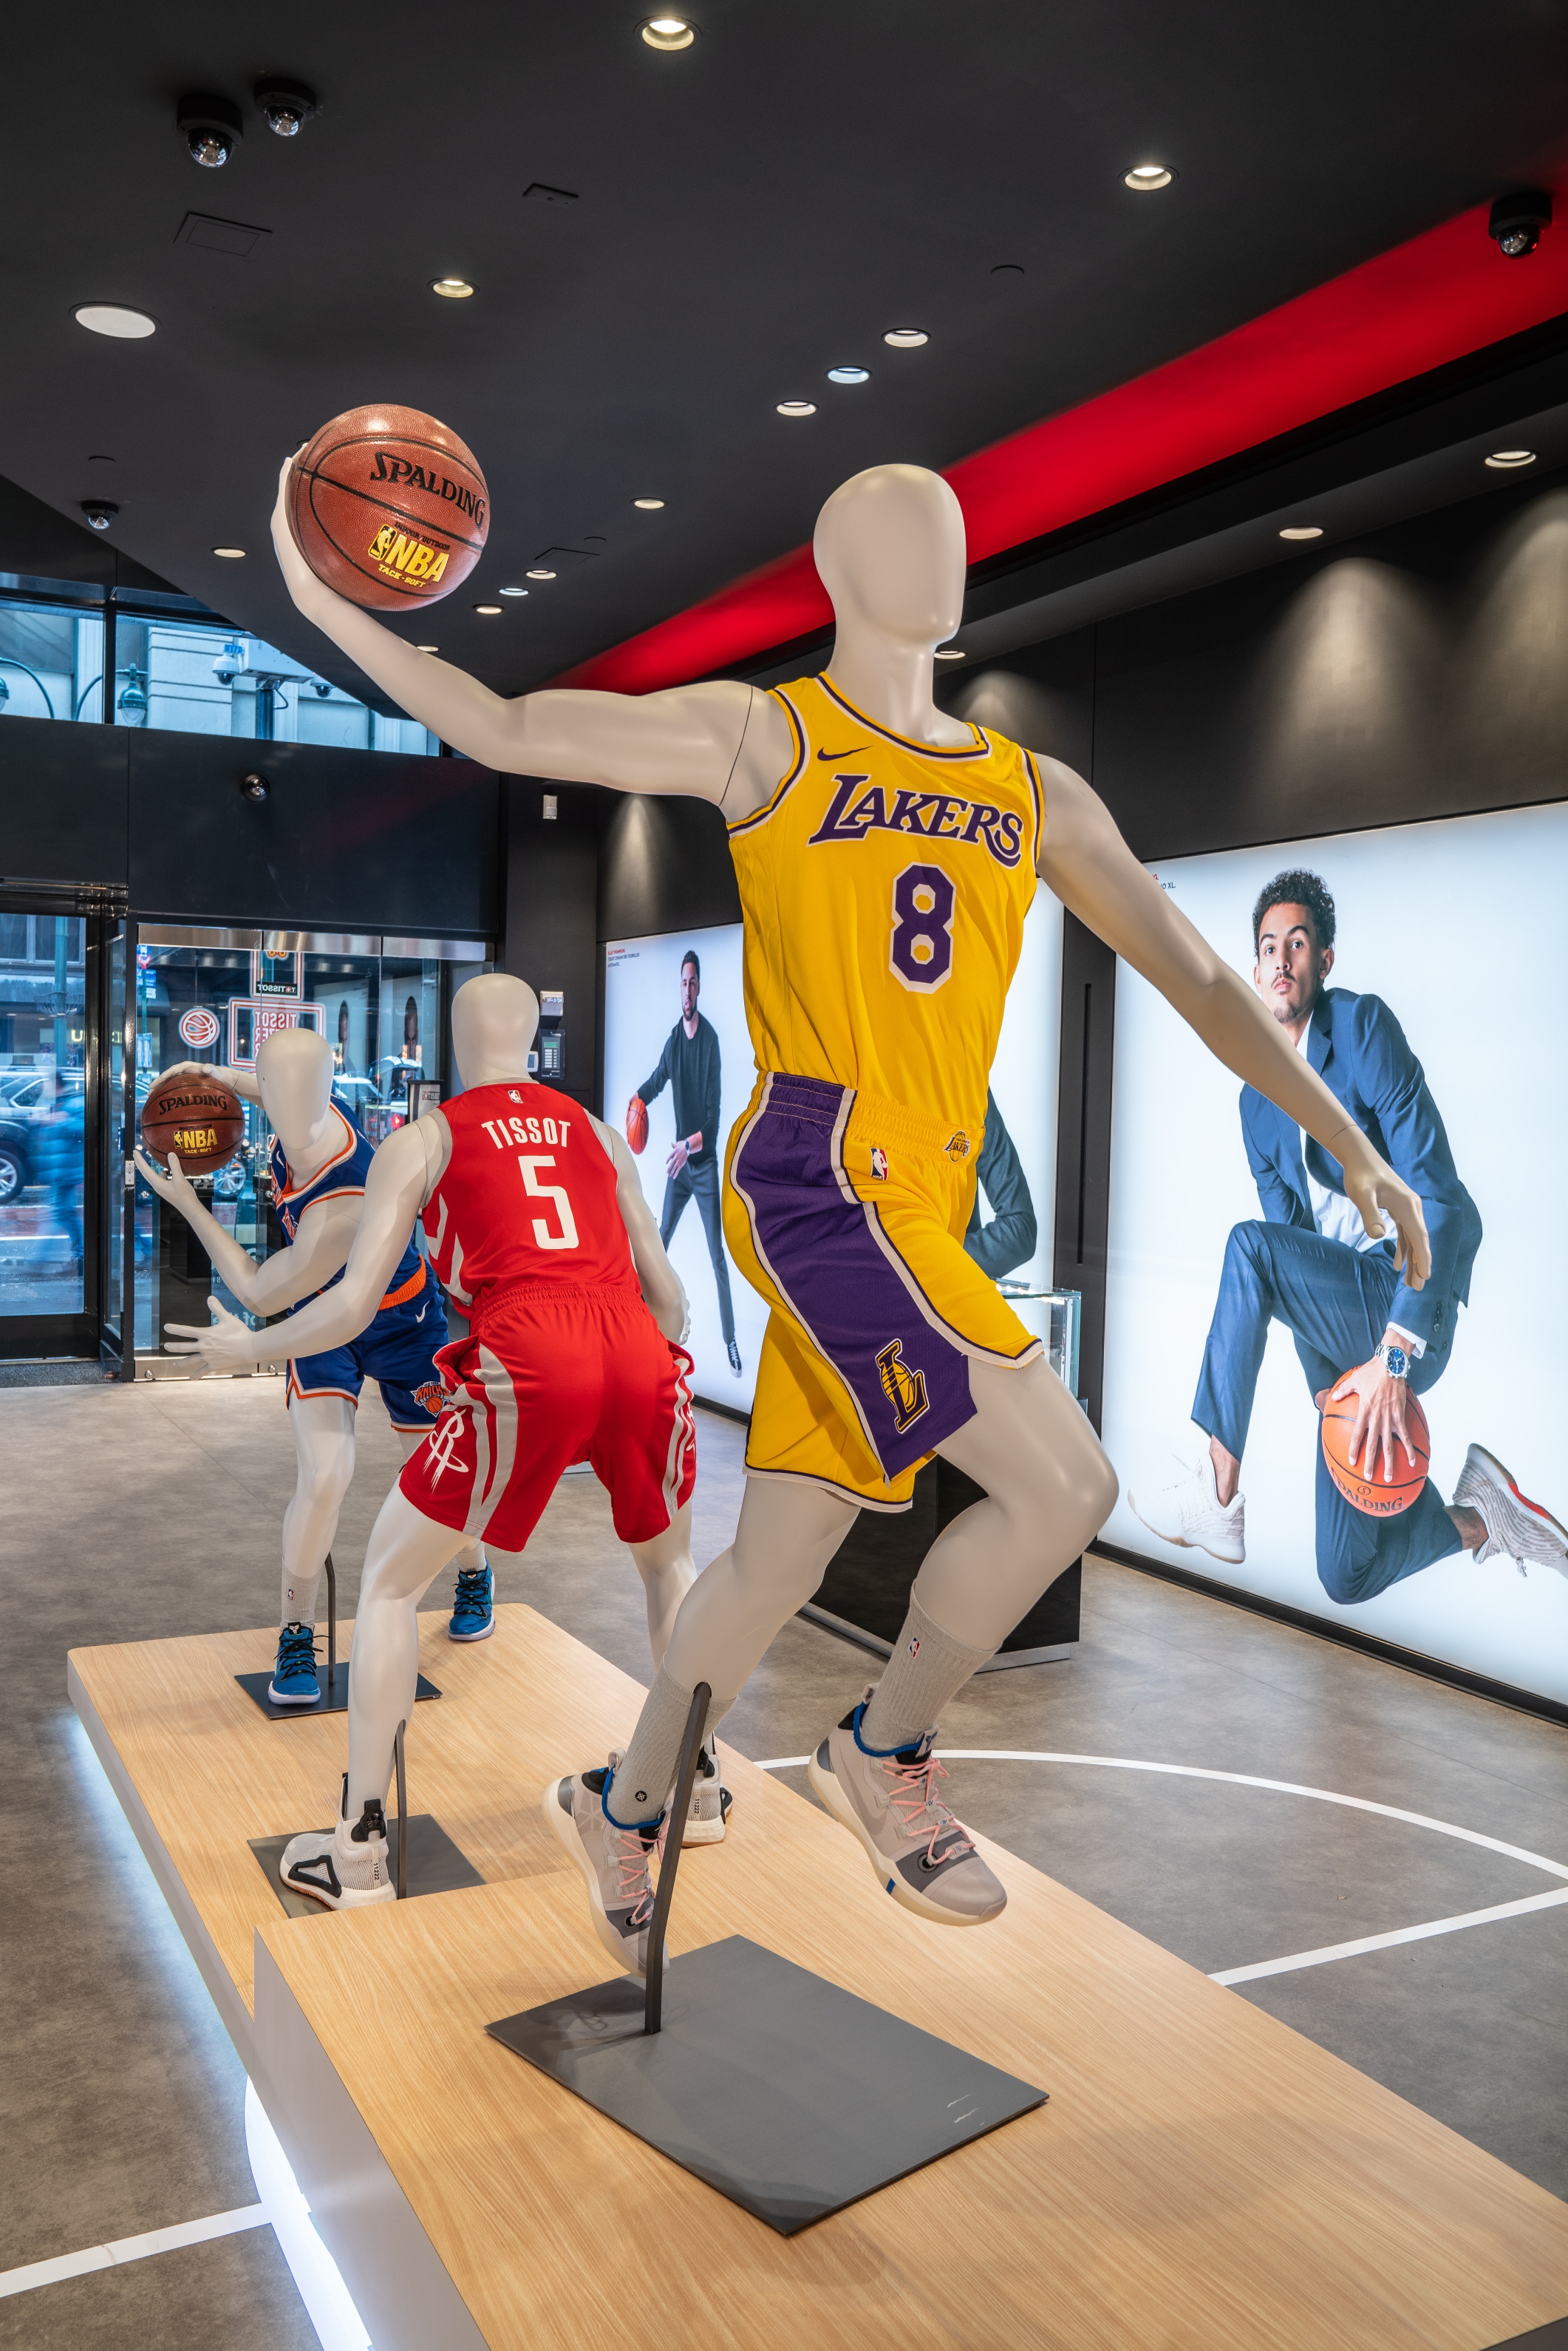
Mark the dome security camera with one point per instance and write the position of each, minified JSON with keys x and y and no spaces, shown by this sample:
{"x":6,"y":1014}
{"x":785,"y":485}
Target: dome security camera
{"x":287,"y":106}
{"x":1518,"y":220}
{"x":100,"y":512}
{"x":210,"y":128}
{"x":255,"y":786}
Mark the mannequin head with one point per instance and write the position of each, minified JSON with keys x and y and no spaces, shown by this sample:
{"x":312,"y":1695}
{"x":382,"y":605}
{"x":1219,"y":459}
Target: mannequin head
{"x":294,"y":1072}
{"x":890,"y":553}
{"x":494,"y":1019}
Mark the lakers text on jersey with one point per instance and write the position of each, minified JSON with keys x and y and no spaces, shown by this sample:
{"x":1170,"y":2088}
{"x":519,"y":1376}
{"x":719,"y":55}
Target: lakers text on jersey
{"x":884,"y":887}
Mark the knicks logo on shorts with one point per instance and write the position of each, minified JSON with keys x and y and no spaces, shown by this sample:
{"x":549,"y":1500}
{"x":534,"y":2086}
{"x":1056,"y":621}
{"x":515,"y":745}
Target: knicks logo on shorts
{"x":903,"y":1388}
{"x":394,"y":551}
{"x":432,"y":1396}
{"x":444,"y":1441}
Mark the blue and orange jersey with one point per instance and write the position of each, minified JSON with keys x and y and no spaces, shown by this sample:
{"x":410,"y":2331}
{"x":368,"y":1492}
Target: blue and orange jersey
{"x":343,"y":1176}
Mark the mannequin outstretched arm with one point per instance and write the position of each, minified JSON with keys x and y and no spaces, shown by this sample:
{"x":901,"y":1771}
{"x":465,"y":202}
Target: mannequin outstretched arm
{"x":707,"y":741}
{"x":1085,"y":861}
{"x":664,"y":1292}
{"x":238,"y":1082}
{"x":399,"y":1183}
{"x":321,"y":1248}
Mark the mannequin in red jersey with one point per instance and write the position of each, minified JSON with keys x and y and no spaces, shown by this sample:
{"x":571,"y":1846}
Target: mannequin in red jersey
{"x":536,"y":1225}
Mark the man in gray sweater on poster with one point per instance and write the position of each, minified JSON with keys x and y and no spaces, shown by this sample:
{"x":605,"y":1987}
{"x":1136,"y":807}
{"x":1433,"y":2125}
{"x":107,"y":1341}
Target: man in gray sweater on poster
{"x":689,"y":1064}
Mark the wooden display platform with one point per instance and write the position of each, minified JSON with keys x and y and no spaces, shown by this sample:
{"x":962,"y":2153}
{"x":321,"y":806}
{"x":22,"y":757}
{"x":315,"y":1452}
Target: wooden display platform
{"x":1202,"y":2178}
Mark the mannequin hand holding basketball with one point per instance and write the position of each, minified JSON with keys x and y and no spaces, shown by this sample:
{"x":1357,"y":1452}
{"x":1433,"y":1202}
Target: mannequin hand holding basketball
{"x":174,"y":1186}
{"x":227,"y":1346}
{"x":1385,"y":1198}
{"x":312,"y":595}
{"x":1379,"y":1420}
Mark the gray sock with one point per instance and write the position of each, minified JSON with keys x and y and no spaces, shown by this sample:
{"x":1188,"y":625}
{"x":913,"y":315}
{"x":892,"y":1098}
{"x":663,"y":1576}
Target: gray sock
{"x":642,"y":1781}
{"x":927,"y":1669}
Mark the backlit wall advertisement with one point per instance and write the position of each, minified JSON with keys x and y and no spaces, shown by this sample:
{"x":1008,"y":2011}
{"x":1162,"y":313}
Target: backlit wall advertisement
{"x":1240,"y":1290}
{"x":675,"y":1034}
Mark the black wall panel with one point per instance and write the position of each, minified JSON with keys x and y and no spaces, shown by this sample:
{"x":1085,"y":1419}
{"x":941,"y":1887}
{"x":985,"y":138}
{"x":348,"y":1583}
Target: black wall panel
{"x":63,"y":803}
{"x":345,"y":841}
{"x":665,"y":867}
{"x":552,"y":892}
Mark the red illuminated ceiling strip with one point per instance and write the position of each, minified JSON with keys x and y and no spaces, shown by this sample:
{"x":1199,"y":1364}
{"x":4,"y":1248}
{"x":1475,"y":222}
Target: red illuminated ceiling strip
{"x":1437,"y":299}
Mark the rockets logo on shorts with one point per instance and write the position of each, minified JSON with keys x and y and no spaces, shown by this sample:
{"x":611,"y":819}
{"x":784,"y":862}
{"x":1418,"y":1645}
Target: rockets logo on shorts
{"x":904,"y":1387}
{"x":444,"y":1441}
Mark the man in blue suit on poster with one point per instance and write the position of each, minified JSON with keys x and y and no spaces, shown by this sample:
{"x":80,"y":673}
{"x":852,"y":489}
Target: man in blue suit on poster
{"x":1312,"y":1265}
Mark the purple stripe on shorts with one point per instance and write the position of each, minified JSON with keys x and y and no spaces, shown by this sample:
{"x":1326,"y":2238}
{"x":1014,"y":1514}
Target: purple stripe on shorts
{"x":910,"y":1383}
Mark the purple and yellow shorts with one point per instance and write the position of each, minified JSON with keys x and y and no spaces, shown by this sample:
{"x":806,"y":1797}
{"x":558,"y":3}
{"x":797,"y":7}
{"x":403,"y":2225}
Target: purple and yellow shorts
{"x":847,"y":1213}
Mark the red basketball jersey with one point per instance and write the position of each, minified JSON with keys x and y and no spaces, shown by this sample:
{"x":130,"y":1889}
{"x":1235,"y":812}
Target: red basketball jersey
{"x":529,"y":1195}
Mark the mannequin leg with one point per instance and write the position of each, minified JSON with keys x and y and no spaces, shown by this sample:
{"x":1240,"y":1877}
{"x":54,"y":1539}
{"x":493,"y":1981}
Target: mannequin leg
{"x":324,"y":1457}
{"x":406,"y":1552}
{"x":667,"y":1572}
{"x":470,"y":1556}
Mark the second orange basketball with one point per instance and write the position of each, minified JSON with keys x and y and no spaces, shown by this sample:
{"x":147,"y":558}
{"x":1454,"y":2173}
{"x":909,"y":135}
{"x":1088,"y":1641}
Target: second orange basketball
{"x":389,"y":507}
{"x":1363,"y":1486}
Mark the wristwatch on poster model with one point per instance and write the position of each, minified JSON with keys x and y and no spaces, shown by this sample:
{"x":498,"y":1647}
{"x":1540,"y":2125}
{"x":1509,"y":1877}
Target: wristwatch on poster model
{"x":1394,"y":1358}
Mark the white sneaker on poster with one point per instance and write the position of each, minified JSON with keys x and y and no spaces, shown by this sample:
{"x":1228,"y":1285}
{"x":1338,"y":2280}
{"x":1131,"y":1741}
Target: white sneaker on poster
{"x":1191,"y":1515}
{"x":1522,"y":1530}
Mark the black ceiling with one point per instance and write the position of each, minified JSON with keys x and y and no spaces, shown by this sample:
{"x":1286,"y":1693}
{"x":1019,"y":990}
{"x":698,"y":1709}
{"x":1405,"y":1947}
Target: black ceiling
{"x":748,"y":214}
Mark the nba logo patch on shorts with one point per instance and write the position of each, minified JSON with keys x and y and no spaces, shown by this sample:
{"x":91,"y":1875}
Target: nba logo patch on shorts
{"x":879,"y":1163}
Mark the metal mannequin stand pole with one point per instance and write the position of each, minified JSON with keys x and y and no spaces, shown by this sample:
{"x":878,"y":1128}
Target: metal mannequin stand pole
{"x":401,"y":1811}
{"x":675,"y":1823}
{"x":331,"y":1627}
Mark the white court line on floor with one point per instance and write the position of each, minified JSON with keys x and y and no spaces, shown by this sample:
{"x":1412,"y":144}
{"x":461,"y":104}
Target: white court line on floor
{"x":1328,"y":1951}
{"x":130,"y":2249}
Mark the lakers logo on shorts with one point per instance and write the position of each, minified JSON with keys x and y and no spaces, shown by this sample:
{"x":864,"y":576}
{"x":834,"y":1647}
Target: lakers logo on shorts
{"x":957,"y":1145}
{"x":903,"y":1388}
{"x":442,"y":1441}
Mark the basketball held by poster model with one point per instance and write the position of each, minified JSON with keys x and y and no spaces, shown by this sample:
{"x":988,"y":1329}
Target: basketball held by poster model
{"x":197,"y":1117}
{"x":1363,"y":1486}
{"x":637,"y":1124}
{"x":389,"y":507}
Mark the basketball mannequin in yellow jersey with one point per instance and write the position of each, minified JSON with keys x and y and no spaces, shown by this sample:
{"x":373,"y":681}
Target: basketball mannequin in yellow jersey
{"x":887,"y":855}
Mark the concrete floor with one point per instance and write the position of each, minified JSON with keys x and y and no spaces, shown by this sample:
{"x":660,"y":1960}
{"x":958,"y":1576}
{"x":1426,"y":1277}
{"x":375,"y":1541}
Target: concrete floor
{"x":153,"y":1511}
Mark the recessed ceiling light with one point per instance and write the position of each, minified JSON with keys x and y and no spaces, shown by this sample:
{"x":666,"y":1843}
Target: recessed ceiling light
{"x":453,"y":290}
{"x":1145,"y":177}
{"x":849,"y":375}
{"x":1303,"y":530}
{"x":491,"y":611}
{"x":110,"y":318}
{"x":229,"y":554}
{"x":668,"y":32}
{"x":513,"y":592}
{"x":950,"y":652}
{"x":906,"y":339}
{"x":427,"y":649}
{"x":649,"y":506}
{"x":796,"y":408}
{"x":1503,"y":461}
{"x":539,"y":572}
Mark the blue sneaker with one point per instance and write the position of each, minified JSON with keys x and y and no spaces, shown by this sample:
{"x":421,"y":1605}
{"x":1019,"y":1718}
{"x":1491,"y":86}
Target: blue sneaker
{"x":294,"y":1681}
{"x":474,"y":1615}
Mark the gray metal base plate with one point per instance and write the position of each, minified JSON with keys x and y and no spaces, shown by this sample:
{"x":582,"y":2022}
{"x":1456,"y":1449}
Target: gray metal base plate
{"x":435,"y":1865}
{"x":788,"y":2094}
{"x":331,"y":1701}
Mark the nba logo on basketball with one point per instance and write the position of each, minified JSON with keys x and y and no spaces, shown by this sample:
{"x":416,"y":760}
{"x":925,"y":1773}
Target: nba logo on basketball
{"x":879,"y":1164}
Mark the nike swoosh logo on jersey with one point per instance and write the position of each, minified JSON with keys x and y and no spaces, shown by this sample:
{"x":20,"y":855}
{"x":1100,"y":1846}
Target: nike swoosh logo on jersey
{"x":842,"y":755}
{"x":423,"y":1311}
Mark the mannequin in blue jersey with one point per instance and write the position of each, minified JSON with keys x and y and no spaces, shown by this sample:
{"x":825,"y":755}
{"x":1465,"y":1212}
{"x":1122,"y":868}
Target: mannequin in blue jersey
{"x":318,"y":1162}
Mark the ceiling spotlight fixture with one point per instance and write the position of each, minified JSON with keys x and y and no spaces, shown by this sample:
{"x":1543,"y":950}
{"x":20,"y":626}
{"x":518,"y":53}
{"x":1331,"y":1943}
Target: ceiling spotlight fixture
{"x":427,"y":649}
{"x":796,"y":408}
{"x":230,"y":554}
{"x":906,"y":339}
{"x":1516,"y":221}
{"x":452,"y":290}
{"x":668,"y":32}
{"x":210,"y":128}
{"x":649,"y":506}
{"x":539,"y":572}
{"x":110,"y":318}
{"x":849,"y":375}
{"x":1303,"y":530}
{"x":1145,"y":178}
{"x":1009,"y":272}
{"x":512,"y":591}
{"x":1504,"y":461}
{"x":287,"y":106}
{"x":100,"y":512}
{"x":491,"y":611}
{"x":950,"y":652}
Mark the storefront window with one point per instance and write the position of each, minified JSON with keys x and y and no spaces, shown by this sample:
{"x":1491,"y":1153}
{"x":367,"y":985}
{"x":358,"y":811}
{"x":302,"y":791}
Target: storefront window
{"x":215,"y":997}
{"x":43,"y":1082}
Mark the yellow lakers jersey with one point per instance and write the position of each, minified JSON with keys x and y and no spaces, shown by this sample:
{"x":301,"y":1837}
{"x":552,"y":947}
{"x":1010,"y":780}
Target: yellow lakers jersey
{"x":884,"y":887}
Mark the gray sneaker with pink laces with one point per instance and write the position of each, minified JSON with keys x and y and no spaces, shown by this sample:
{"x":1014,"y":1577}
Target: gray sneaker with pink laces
{"x":615,"y":1862}
{"x":923,"y":1857}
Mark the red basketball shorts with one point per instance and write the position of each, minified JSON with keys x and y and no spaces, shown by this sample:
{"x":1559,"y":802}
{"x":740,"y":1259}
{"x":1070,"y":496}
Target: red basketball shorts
{"x":553,"y":1372}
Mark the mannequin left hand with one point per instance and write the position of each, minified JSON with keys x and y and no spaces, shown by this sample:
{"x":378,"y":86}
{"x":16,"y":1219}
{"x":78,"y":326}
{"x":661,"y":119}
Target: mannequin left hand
{"x":227,"y":1346}
{"x":175,"y":1185}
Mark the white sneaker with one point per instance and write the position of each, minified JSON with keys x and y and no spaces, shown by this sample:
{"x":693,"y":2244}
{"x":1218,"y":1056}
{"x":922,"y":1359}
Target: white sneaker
{"x":1191,"y":1515}
{"x":709,"y":1811}
{"x":344,"y":1868}
{"x":616,"y":1863}
{"x":1516,"y":1527}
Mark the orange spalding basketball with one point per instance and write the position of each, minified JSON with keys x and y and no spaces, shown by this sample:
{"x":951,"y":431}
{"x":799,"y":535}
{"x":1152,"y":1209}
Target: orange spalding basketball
{"x":389,"y":507}
{"x":196,"y":1116}
{"x":1363,"y":1487}
{"x":637,"y":1123}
